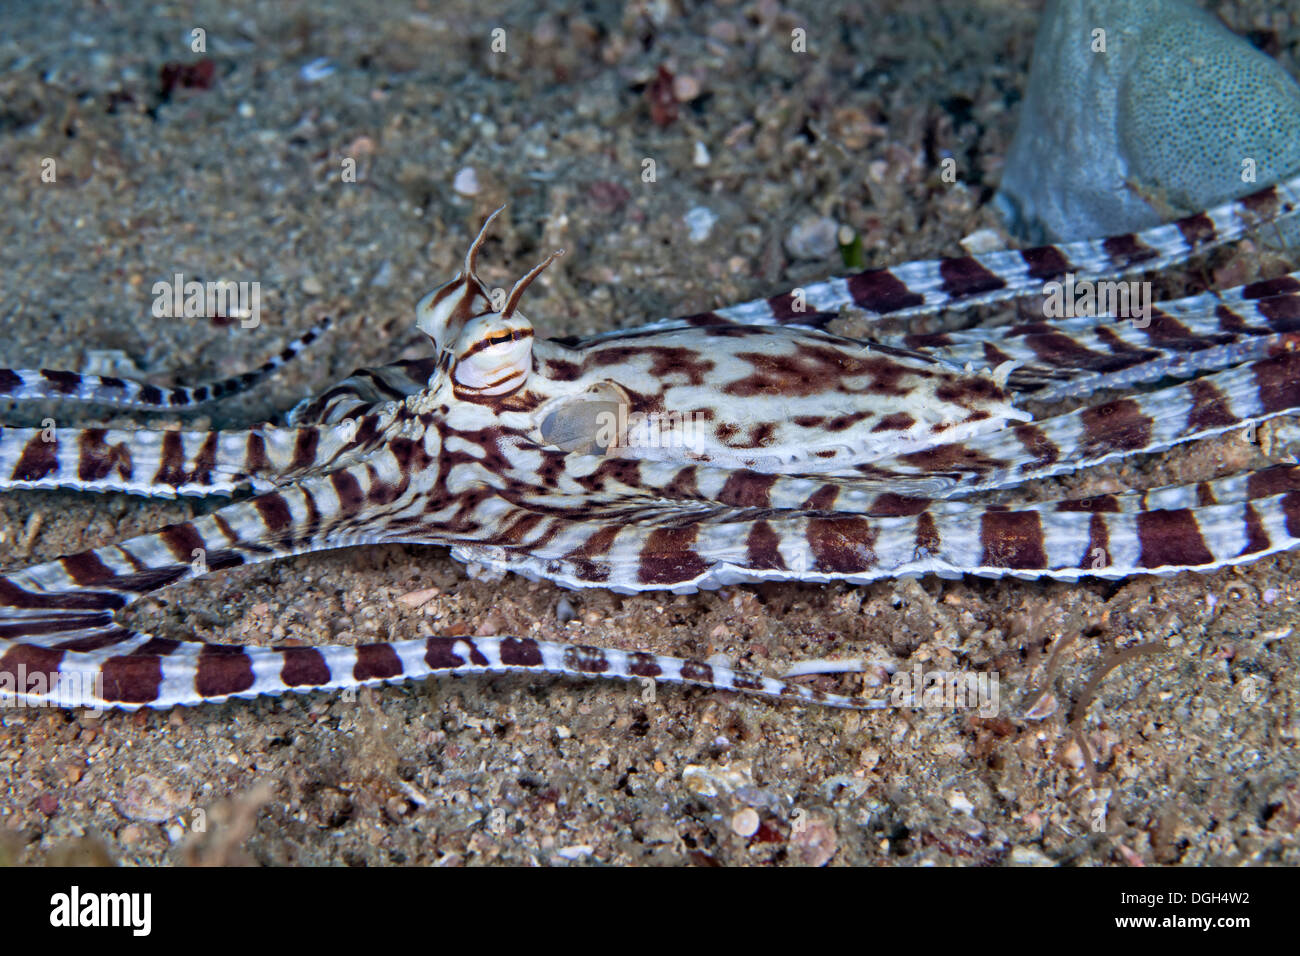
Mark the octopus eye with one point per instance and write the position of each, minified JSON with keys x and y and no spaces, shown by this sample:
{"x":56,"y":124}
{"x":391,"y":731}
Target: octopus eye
{"x":504,"y":338}
{"x":494,"y":354}
{"x":591,"y":423}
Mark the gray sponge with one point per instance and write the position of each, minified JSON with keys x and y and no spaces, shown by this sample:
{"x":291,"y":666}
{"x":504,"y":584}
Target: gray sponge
{"x":1174,"y":116}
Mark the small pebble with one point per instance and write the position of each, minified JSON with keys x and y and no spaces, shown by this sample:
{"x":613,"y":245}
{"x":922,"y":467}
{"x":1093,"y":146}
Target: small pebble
{"x":1044,"y":707}
{"x":361,"y":146}
{"x":685,"y":88}
{"x":564,"y":611}
{"x":317,"y":70}
{"x":152,"y":799}
{"x":701,"y":157}
{"x":759,"y":799}
{"x":466,"y":182}
{"x":414,"y":599}
{"x":981,"y":241}
{"x":311,"y":285}
{"x":1028,"y":856}
{"x":699,"y":223}
{"x":745,"y":822}
{"x":709,"y":781}
{"x":1131,"y":858}
{"x":814,"y":842}
{"x":813,"y":237}
{"x":960,"y":802}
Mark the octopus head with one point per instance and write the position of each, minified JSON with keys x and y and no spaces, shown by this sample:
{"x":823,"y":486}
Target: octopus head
{"x":482,"y":338}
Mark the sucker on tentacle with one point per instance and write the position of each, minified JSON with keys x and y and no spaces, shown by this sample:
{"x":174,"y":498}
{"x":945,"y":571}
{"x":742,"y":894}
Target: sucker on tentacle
{"x":743,"y":444}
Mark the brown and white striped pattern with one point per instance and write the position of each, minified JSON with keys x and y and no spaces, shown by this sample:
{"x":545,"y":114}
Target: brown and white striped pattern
{"x":33,"y":384}
{"x":919,"y":288}
{"x":164,"y":673}
{"x":1057,"y":358}
{"x":820,"y":459}
{"x":170,"y":462}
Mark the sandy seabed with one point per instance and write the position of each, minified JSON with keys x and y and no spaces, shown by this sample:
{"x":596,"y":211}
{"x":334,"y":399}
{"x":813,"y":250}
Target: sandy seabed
{"x":237,"y":176}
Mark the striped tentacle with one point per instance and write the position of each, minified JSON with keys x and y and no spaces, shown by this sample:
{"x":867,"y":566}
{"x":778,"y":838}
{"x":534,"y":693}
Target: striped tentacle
{"x":157,"y":463}
{"x":135,"y":670}
{"x":928,"y":286}
{"x":1062,"y":540}
{"x":165,"y":463}
{"x":69,"y":594}
{"x":33,"y":384}
{"x":1145,"y":423}
{"x":164,"y":673}
{"x":1239,"y":487}
{"x":1065,"y":357}
{"x":59,"y":641}
{"x":643,"y":485}
{"x":620,"y":482}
